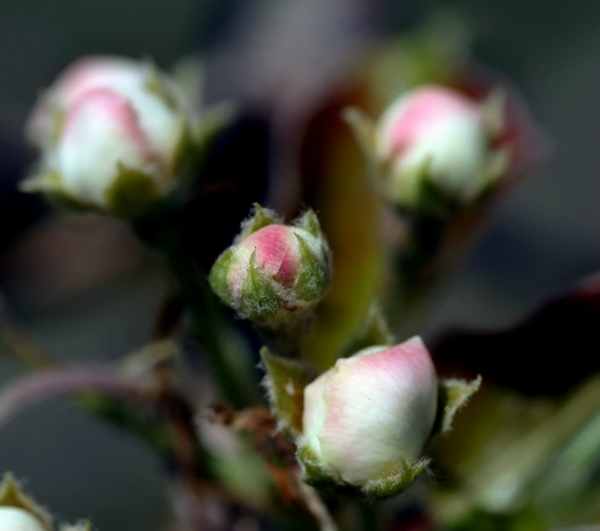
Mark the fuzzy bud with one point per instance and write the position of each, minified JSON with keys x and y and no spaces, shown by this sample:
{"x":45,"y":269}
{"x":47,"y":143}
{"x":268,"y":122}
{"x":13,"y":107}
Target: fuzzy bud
{"x":436,"y":147}
{"x":111,"y":132}
{"x":273,"y":271}
{"x":367,"y":419}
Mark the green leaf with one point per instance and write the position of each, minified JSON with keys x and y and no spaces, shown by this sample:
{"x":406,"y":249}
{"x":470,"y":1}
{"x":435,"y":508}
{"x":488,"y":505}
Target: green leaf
{"x":11,"y":495}
{"x":285,"y":381}
{"x":453,"y":394}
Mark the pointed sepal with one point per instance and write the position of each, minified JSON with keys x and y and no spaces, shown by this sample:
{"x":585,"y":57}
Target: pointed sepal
{"x":260,"y":299}
{"x":374,"y":331}
{"x":453,"y":394}
{"x":363,"y":128}
{"x":310,"y":223}
{"x":261,"y":217}
{"x":494,"y":113}
{"x":314,"y":279}
{"x":11,"y":495}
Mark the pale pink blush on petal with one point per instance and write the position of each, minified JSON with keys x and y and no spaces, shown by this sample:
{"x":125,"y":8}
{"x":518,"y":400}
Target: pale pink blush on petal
{"x":94,"y":73}
{"x":275,"y":252}
{"x":420,"y":114}
{"x":380,"y":406}
{"x":107,"y":105}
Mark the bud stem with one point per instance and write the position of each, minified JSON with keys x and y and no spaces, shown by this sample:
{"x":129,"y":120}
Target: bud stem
{"x":165,"y":236}
{"x":417,"y":271}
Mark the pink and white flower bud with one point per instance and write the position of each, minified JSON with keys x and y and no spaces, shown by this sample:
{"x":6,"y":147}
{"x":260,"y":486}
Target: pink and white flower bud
{"x":16,"y":519}
{"x":102,"y":117}
{"x":437,"y":134}
{"x":274,"y":272}
{"x":371,"y":413}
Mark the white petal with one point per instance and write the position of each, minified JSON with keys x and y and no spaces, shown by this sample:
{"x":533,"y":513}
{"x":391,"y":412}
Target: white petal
{"x":380,"y":407}
{"x":101,"y":131}
{"x":15,"y":519}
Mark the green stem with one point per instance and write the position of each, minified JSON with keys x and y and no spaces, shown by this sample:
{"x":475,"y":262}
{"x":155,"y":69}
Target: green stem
{"x":206,"y":320}
{"x":417,"y":272}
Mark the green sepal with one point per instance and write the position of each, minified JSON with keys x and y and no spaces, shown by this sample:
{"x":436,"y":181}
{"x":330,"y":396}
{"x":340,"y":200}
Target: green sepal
{"x":131,"y":193}
{"x":319,"y":476}
{"x":494,"y":113}
{"x":495,"y":169}
{"x":364,"y":131}
{"x":11,"y":495}
{"x":155,"y":84}
{"x":50,"y":183}
{"x":217,"y":277}
{"x":453,"y":394}
{"x":313,"y":471}
{"x":209,"y":123}
{"x":261,"y":217}
{"x":397,"y":482}
{"x":260,"y":301}
{"x":363,"y":128}
{"x":285,"y":380}
{"x":420,"y":194}
{"x":187,"y":159}
{"x":315,"y":273}
{"x":310,"y":223}
{"x":373,"y":332}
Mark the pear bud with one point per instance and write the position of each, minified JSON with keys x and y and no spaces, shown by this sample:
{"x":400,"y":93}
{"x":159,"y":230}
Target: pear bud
{"x":436,"y":149}
{"x":274,"y":272}
{"x":367,"y":419}
{"x":111,"y":133}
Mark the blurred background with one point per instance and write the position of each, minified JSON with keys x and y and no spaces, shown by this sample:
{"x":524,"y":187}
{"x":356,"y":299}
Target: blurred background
{"x":90,"y":294}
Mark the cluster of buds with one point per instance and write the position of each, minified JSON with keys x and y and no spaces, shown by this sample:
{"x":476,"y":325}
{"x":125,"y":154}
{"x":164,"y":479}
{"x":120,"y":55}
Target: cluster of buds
{"x":274,"y":273}
{"x":367,"y":419}
{"x":113,"y":134}
{"x":434,"y":149}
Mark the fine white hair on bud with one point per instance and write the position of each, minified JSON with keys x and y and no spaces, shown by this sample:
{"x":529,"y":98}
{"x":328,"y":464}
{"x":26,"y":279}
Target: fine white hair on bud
{"x":434,"y":138}
{"x":371,"y":414}
{"x":111,"y":131}
{"x":16,"y":519}
{"x":275,"y":271}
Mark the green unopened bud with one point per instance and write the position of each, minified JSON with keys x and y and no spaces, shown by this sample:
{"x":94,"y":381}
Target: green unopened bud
{"x":274,"y":272}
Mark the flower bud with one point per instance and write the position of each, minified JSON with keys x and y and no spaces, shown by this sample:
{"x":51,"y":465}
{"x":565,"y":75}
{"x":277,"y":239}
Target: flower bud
{"x":368,"y":418}
{"x":112,"y":132}
{"x":274,"y":272}
{"x":436,"y":146}
{"x":16,"y":519}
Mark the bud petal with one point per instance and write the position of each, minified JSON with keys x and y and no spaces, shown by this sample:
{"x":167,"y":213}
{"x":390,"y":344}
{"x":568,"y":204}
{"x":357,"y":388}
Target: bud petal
{"x":272,"y":271}
{"x":435,"y":138}
{"x":105,"y":115}
{"x":368,"y":418}
{"x":16,"y":519}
